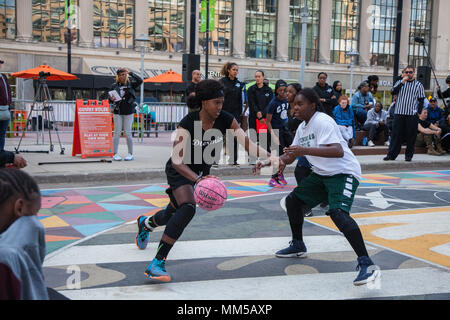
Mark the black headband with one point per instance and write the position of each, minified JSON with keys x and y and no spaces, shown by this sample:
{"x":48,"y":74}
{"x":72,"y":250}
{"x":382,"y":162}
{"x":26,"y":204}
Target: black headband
{"x":213,"y":94}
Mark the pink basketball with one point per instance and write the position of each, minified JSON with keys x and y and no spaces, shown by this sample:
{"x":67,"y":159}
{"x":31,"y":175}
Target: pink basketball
{"x":210,"y":194}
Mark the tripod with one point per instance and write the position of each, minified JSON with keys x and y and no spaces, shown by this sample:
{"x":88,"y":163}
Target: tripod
{"x":43,"y":94}
{"x":422,"y":41}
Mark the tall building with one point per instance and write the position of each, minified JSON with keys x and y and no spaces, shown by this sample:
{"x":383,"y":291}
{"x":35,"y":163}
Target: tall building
{"x":256,"y":34}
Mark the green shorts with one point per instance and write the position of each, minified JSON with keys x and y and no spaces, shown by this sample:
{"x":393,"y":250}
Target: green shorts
{"x":339,"y":190}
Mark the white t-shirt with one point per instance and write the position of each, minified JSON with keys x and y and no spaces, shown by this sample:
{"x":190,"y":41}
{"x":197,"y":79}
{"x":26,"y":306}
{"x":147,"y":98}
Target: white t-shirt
{"x":322,"y":130}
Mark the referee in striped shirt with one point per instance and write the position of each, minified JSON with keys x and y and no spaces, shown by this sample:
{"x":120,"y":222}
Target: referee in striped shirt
{"x":410,"y":96}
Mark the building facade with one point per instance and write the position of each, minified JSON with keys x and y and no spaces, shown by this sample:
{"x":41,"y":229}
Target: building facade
{"x":256,"y":34}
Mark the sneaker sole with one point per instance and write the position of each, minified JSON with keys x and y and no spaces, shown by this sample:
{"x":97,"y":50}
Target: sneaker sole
{"x":136,"y":241}
{"x":292,"y":255}
{"x":372,"y":278}
{"x":160,"y":278}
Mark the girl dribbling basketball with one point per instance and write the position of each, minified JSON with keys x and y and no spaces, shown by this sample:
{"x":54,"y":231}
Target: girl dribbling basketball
{"x":197,"y":133}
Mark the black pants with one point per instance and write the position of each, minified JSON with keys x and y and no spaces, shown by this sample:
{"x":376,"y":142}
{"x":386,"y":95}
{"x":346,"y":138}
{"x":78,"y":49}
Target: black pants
{"x":404,"y":128}
{"x":375,"y":130}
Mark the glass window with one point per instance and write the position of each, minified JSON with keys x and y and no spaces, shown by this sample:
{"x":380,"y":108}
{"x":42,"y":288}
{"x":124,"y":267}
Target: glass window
{"x":166,"y":25}
{"x":312,"y":30}
{"x":344,"y":29}
{"x":49,"y":21}
{"x":220,"y":38}
{"x":420,"y":26}
{"x":113,"y":23}
{"x":382,"y":41}
{"x":7,"y":19}
{"x":260,"y":28}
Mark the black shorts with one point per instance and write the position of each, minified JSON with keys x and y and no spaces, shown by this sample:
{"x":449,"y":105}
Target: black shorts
{"x":175,"y":180}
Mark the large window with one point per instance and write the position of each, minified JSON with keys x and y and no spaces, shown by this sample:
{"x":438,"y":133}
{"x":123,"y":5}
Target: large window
{"x":7,"y":19}
{"x":344,"y":29}
{"x":166,"y":25}
{"x":49,"y":24}
{"x":382,"y":41}
{"x":420,"y":26}
{"x":113,"y":23}
{"x":312,"y":30}
{"x":220,"y":38}
{"x":260,"y":28}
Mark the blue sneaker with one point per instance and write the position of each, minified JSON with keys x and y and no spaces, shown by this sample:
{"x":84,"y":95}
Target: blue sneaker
{"x":296,"y":248}
{"x":143,"y":233}
{"x":368,"y":271}
{"x":157,"y":270}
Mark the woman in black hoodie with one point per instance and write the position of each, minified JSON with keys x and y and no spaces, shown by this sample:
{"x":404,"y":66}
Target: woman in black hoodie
{"x":325,"y":93}
{"x":232,"y":101}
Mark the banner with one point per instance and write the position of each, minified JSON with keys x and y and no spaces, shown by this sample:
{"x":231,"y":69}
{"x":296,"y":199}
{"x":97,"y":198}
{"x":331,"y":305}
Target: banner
{"x":92,"y":133}
{"x":212,"y":15}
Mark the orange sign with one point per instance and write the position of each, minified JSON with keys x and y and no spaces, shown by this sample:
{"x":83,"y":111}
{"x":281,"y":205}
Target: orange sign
{"x":92,"y":134}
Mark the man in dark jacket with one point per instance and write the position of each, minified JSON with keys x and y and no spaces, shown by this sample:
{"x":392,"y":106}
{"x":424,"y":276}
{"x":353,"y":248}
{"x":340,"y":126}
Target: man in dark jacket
{"x":5,"y":102}
{"x":325,"y":93}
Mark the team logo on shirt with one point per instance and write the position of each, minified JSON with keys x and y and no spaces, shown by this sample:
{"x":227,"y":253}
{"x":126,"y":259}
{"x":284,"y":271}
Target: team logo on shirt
{"x":306,"y":140}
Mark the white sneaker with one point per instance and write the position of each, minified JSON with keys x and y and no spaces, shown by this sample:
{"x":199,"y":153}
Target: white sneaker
{"x":370,"y":143}
{"x":117,"y":157}
{"x":386,"y":143}
{"x":129,"y":157}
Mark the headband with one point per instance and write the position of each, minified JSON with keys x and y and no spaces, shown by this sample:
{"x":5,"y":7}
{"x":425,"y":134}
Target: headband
{"x":213,"y":94}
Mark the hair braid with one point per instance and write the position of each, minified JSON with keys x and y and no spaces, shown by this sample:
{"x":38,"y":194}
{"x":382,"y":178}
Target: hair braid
{"x":16,"y":182}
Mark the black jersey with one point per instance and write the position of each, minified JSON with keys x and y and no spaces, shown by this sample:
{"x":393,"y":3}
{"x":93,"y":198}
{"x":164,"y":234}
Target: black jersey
{"x":196,"y":158}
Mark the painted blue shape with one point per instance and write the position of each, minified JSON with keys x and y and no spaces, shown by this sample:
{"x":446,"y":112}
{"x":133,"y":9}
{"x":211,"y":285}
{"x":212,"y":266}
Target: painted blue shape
{"x":90,"y":229}
{"x":150,"y":189}
{"x":123,"y":207}
{"x":50,"y":192}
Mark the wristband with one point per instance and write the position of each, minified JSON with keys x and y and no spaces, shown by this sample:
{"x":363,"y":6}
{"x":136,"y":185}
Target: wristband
{"x":198,"y":177}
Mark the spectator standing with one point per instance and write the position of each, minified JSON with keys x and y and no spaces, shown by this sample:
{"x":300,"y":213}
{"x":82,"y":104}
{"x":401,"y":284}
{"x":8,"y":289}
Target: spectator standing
{"x":446,"y":93}
{"x":232,"y":104}
{"x":325,"y":93}
{"x":429,"y":135}
{"x":337,"y":89}
{"x":190,"y":89}
{"x":409,"y":103}
{"x":259,"y":97}
{"x":390,"y":116}
{"x":125,"y":86}
{"x":375,"y":124}
{"x":362,"y":102}
{"x":345,"y":119}
{"x":5,"y":103}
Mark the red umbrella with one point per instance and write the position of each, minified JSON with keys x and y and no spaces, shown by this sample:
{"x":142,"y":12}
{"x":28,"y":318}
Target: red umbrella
{"x":34,"y":73}
{"x":167,"y":77}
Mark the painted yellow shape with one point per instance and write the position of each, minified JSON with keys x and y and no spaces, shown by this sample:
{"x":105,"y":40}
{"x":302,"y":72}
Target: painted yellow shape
{"x":53,"y":222}
{"x":377,"y":182}
{"x":162,"y":202}
{"x":249,"y":184}
{"x":415,"y":246}
{"x":378,"y":176}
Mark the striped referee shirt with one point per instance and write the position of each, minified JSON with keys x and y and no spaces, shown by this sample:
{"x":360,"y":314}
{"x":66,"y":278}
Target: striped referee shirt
{"x":410,"y":97}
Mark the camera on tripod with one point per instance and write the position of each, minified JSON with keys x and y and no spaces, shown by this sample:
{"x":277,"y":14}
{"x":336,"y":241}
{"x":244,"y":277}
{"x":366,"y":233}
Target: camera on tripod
{"x":43,"y":74}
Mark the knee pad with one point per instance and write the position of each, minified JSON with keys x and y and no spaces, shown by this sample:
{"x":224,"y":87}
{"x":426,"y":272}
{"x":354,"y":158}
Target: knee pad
{"x":294,"y":205}
{"x":342,"y":220}
{"x":162,"y":217}
{"x":180,"y":220}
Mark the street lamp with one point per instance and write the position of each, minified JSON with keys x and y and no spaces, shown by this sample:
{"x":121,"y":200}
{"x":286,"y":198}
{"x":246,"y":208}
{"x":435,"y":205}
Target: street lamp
{"x":142,"y":41}
{"x":304,"y":14}
{"x":352,"y":53}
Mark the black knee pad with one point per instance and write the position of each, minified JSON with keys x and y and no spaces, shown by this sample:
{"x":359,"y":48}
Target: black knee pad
{"x":294,"y":205}
{"x":342,"y":220}
{"x":162,"y":217}
{"x":180,"y":220}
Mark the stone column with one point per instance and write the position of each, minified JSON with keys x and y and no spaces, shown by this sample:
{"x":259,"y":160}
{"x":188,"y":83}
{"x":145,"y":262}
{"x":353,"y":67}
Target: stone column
{"x":238,"y":31}
{"x":141,"y":18}
{"x":326,"y":13}
{"x":365,"y":33}
{"x":282,"y":40}
{"x":440,"y":46}
{"x":86,"y":23}
{"x":24,"y":21}
{"x":404,"y":41}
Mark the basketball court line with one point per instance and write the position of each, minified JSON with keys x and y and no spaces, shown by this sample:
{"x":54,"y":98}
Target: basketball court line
{"x":316,"y":286}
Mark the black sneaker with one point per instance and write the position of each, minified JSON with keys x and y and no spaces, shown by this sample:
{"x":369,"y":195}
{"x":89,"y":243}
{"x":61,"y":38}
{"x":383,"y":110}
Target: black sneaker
{"x":296,"y":249}
{"x":308,"y":213}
